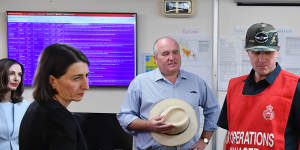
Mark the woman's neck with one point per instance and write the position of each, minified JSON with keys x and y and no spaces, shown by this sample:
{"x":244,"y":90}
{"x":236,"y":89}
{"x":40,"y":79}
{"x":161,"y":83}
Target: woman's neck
{"x":61,"y":100}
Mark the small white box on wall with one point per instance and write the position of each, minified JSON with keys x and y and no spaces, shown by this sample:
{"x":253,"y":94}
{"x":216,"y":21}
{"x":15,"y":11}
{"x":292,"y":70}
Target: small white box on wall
{"x":177,"y":8}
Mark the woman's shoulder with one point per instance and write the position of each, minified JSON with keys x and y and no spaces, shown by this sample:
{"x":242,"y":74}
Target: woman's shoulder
{"x":24,"y":103}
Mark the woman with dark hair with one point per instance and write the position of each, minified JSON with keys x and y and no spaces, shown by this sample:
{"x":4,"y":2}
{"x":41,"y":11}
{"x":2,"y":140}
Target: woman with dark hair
{"x":61,"y":77}
{"x":12,"y":104}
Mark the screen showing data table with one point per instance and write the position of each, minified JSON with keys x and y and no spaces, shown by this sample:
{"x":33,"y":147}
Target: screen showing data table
{"x":107,"y":39}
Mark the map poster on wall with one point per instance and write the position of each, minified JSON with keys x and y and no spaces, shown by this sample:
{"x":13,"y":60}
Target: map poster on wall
{"x":196,"y":55}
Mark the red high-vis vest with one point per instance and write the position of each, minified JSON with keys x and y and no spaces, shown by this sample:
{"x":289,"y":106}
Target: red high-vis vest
{"x":258,"y":122}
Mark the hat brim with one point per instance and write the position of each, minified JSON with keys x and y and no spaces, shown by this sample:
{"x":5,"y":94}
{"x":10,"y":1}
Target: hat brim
{"x":263,"y":48}
{"x":179,"y":139}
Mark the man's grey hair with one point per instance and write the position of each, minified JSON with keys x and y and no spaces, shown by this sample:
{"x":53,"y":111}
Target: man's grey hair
{"x":164,"y":37}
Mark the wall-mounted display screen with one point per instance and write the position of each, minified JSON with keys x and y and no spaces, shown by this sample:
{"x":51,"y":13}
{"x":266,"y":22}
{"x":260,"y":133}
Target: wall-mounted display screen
{"x":108,"y":40}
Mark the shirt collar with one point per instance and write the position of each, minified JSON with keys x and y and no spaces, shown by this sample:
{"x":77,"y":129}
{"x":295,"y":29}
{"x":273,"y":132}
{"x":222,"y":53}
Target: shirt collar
{"x":158,"y":75}
{"x":270,"y":78}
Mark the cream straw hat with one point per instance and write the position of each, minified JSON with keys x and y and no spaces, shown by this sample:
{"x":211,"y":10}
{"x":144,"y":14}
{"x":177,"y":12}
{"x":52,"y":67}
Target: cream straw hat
{"x":183,"y":117}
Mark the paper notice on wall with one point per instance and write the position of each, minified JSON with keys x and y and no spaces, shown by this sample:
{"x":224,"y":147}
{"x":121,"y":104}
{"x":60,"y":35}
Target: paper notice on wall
{"x":290,"y":54}
{"x":232,"y":61}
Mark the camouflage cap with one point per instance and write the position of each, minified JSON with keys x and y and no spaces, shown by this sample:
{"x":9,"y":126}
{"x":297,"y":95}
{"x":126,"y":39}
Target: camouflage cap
{"x":262,"y":37}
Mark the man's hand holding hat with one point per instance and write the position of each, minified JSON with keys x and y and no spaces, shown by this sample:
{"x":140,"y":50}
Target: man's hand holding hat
{"x":157,"y":124}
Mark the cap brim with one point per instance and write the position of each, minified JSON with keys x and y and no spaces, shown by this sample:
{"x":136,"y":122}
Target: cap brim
{"x":263,"y":48}
{"x":174,"y":140}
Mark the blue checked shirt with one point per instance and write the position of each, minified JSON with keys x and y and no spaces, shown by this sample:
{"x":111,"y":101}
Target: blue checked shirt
{"x":149,"y":88}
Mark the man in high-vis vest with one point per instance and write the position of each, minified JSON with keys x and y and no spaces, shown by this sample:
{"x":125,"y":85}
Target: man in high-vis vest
{"x":262,"y":110}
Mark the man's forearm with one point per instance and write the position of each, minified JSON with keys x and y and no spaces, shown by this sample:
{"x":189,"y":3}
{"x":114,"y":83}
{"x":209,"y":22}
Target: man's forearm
{"x":139,"y":125}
